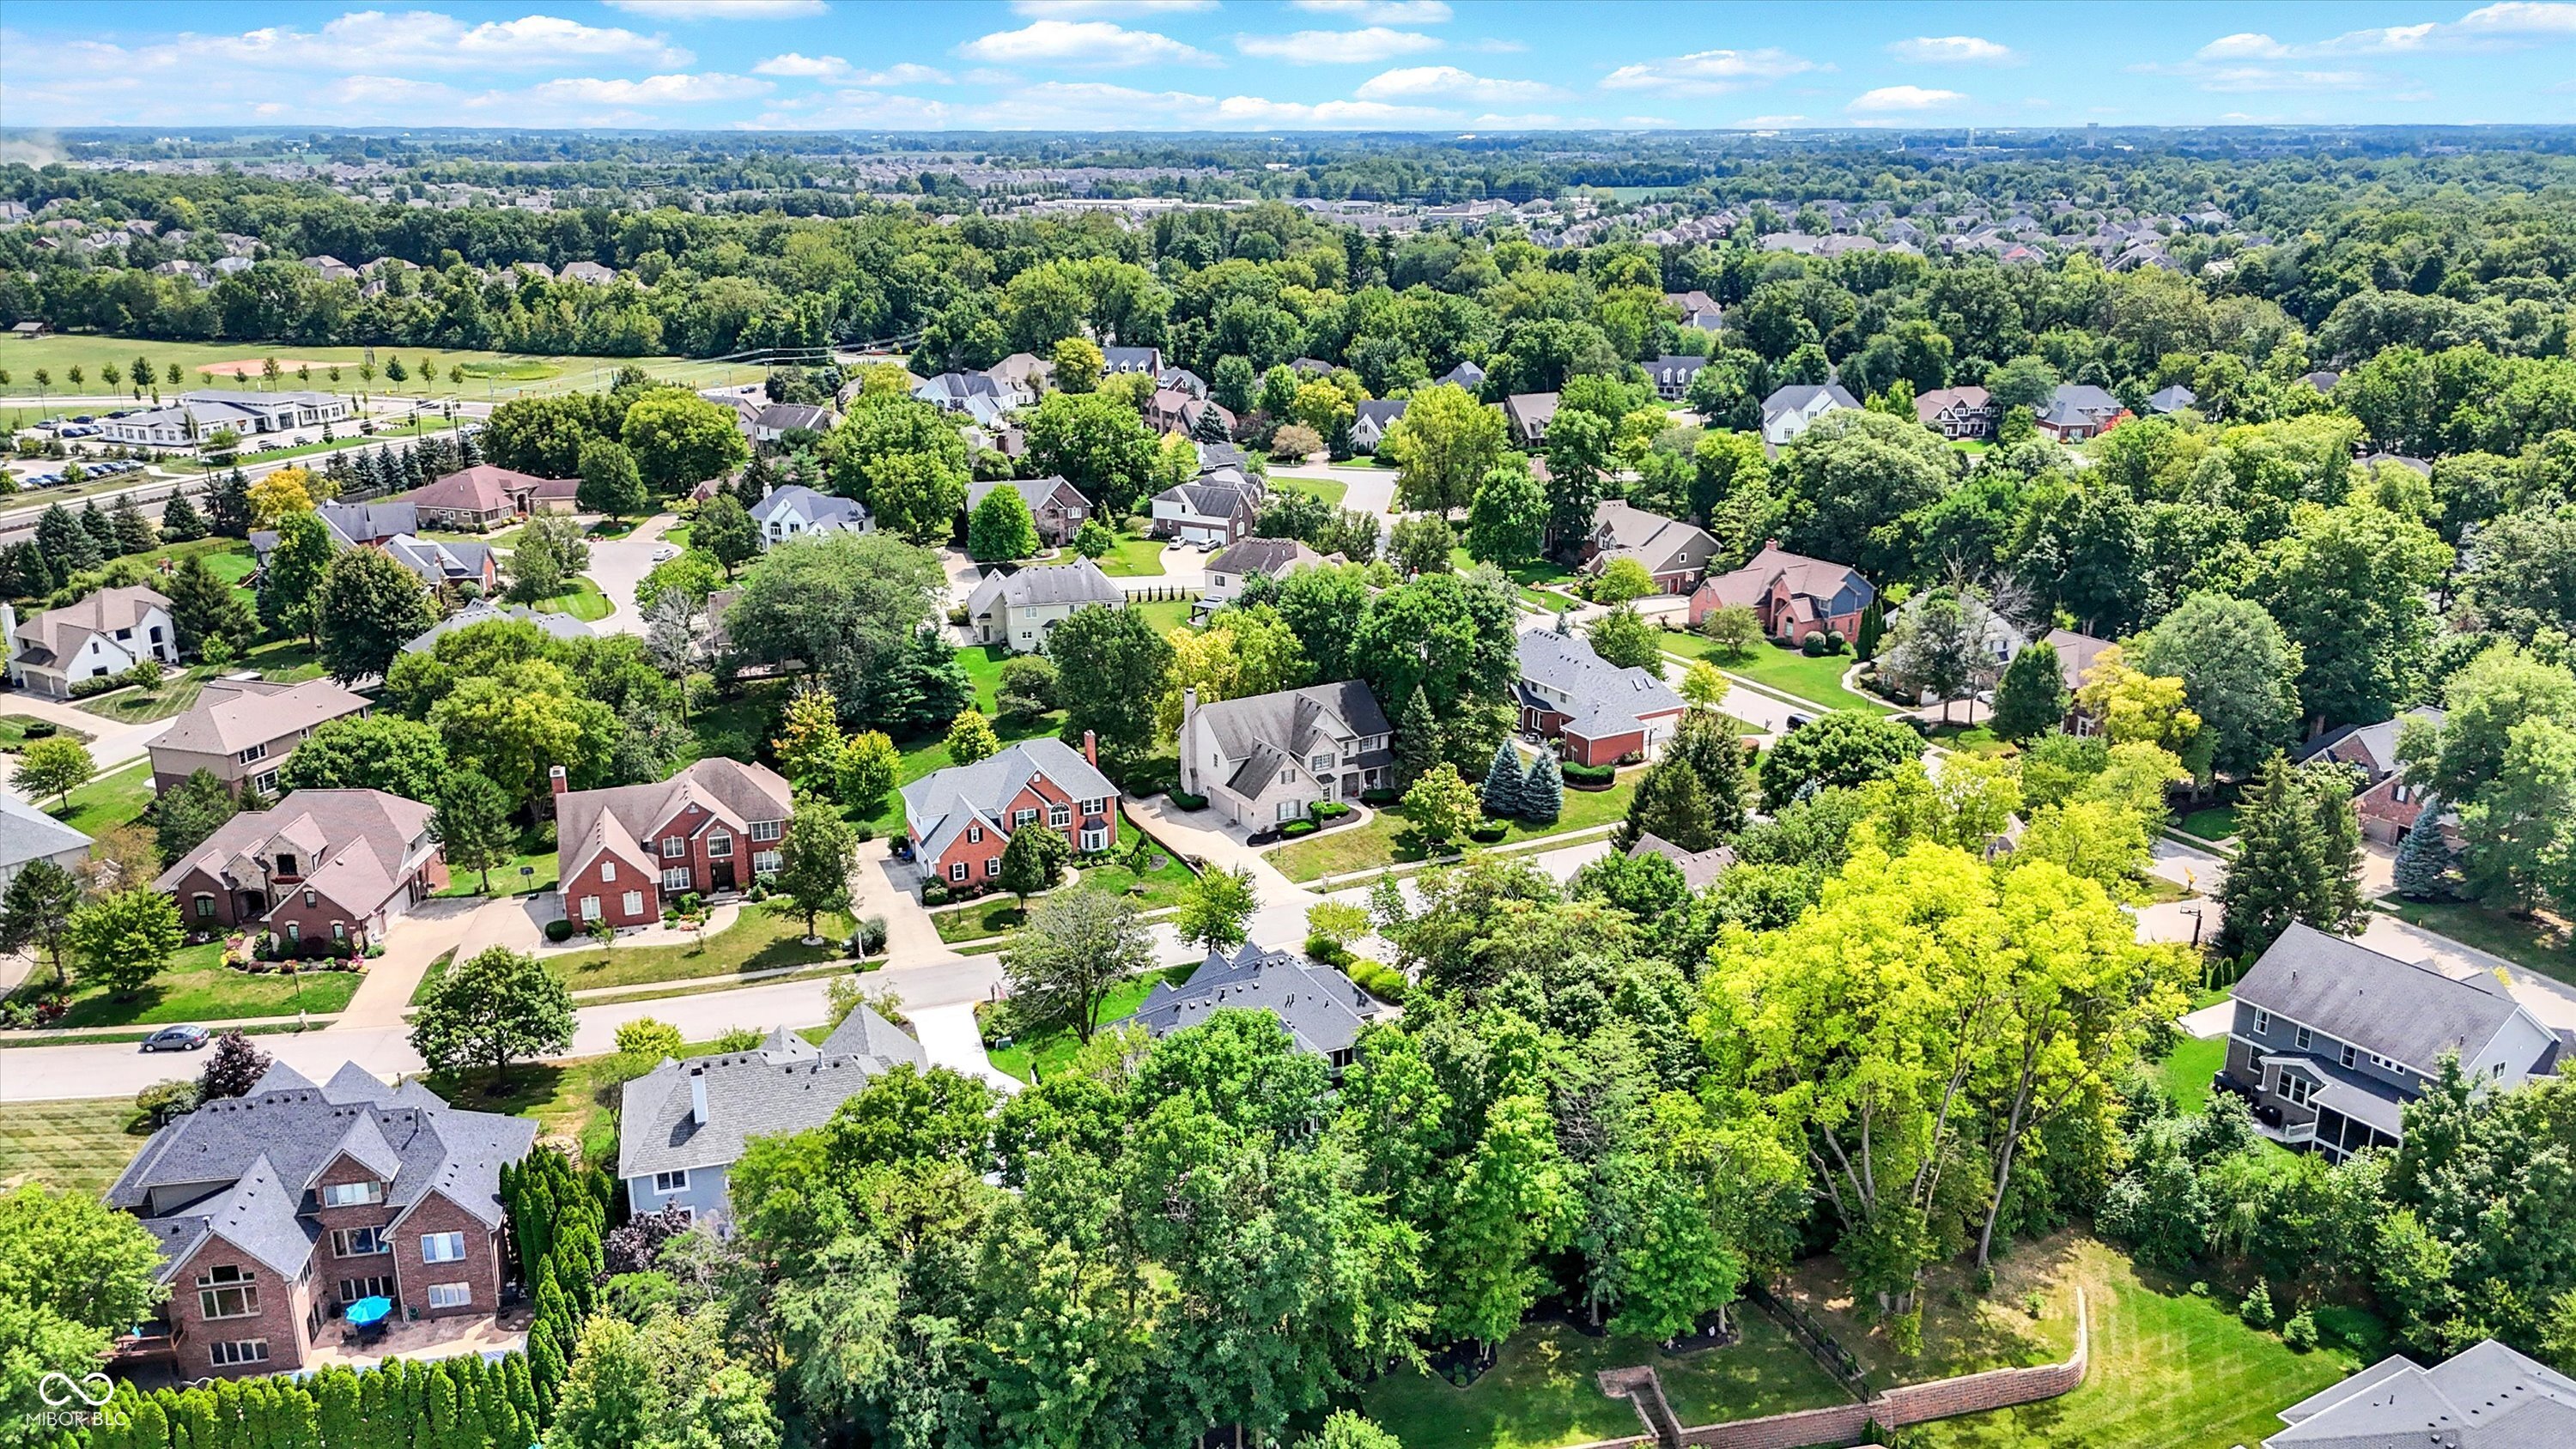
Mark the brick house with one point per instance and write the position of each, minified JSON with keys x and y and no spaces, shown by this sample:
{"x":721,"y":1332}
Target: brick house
{"x":1600,"y":713}
{"x":1793,"y":595}
{"x":710,"y":828}
{"x":326,"y":870}
{"x":1674,"y":553}
{"x":242,"y":730}
{"x":2388,"y":807}
{"x":1055,"y":505}
{"x":275,"y":1210}
{"x":960,"y":818}
{"x":484,"y":496}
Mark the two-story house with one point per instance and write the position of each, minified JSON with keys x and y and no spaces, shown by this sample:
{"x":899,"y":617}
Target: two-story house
{"x":1793,"y":595}
{"x":714,"y":826}
{"x":796,"y":510}
{"x":1230,"y":568}
{"x":1673,"y":373}
{"x":2485,"y":1397}
{"x":1022,"y":607}
{"x":275,"y":1210}
{"x":1213,"y":510}
{"x":1320,"y":1008}
{"x":1368,"y":429}
{"x":682,"y":1126}
{"x":1601,"y":713}
{"x":325,"y":871}
{"x":1793,"y":409}
{"x":1055,"y":505}
{"x":2389,"y":808}
{"x":2332,"y":1039}
{"x":1675,"y":554}
{"x":1147,"y":360}
{"x":107,"y":633}
{"x":242,"y":730}
{"x":1270,"y":758}
{"x":1526,"y":416}
{"x":2079,"y":411}
{"x":959,"y":819}
{"x":1957,"y":412}
{"x":485,"y":496}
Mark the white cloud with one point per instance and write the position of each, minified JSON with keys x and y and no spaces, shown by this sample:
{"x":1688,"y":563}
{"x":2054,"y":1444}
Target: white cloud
{"x":833,"y":68}
{"x":1240,"y":112}
{"x":859,"y":110}
{"x":2511,"y":25}
{"x":1495,"y":45}
{"x":722,"y":9}
{"x":1060,"y":8}
{"x":1382,"y":12}
{"x":651,"y":90}
{"x":1887,"y":99}
{"x":1089,"y":43}
{"x":1449,"y":80}
{"x":2244,"y":45}
{"x":1771,"y":123}
{"x":2255,"y":78}
{"x":1707,"y":72}
{"x":376,"y":43}
{"x":1336,"y":47}
{"x":1953,"y":50}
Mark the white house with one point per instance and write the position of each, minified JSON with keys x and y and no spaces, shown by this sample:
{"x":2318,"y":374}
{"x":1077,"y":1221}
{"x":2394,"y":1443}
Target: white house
{"x":1791,"y":410}
{"x":1268,"y":759}
{"x":200,"y":415}
{"x":107,"y":633}
{"x":1215,"y":509}
{"x":795,"y":509}
{"x":1369,"y":428}
{"x":1020,"y":609}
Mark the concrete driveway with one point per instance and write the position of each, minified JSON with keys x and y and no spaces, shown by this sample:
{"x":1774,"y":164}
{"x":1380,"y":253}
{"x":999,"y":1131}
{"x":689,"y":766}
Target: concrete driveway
{"x":617,"y":565}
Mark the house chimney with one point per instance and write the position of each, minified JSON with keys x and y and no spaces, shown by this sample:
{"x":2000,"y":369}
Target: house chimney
{"x":1770,"y":543}
{"x":1189,"y":704}
{"x":698,"y":1098}
{"x":556,"y":777}
{"x":1091,"y":748}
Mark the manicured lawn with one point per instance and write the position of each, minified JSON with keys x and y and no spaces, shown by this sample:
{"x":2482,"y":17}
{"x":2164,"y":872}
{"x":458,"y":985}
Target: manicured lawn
{"x":1164,"y":614}
{"x":2186,"y":1070}
{"x":200,"y":987}
{"x":13,"y":732}
{"x":1331,"y":490}
{"x":2539,"y":943}
{"x":1818,"y":680}
{"x":506,"y":879}
{"x":76,"y":1146}
{"x":1132,"y":558}
{"x":1971,"y":739}
{"x":2213,"y":823}
{"x":1047,"y":1050}
{"x":493,"y":374}
{"x":1384,"y":841}
{"x":283,"y":661}
{"x":1544,"y":1390}
{"x":118,"y":798}
{"x":581,"y":599}
{"x":983,"y":666}
{"x":1001,"y":914}
{"x":767,"y":935}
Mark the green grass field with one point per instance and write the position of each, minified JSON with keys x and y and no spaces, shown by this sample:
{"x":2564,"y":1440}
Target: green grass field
{"x":2186,"y":1070}
{"x":117,"y":798}
{"x":1133,"y":558}
{"x":539,"y":859}
{"x":283,"y":661}
{"x":1046,"y":1050}
{"x":1000,"y":915}
{"x":768,"y":935}
{"x":487,"y":374}
{"x":1331,"y":490}
{"x":75,"y":1146}
{"x":2539,"y":943}
{"x":1382,"y":841}
{"x":1818,"y":680}
{"x":2212,"y":823}
{"x":13,"y":732}
{"x":200,"y":987}
{"x":581,"y":599}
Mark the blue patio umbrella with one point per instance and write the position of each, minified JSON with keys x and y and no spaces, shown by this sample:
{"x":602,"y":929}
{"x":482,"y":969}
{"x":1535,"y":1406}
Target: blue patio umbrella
{"x":367,"y":1312}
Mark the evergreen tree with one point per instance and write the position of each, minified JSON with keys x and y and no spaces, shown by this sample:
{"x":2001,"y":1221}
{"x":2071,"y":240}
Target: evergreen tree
{"x":2298,"y":856}
{"x":1417,"y":740}
{"x":1716,"y":756}
{"x":203,"y":606}
{"x":67,"y":546}
{"x":228,"y":506}
{"x":100,"y":528}
{"x":1210,"y":428}
{"x":2031,"y":698}
{"x":180,"y":520}
{"x":1872,"y":628}
{"x":1543,"y":792}
{"x":467,"y":454}
{"x":2424,"y":860}
{"x":24,"y":572}
{"x":1669,"y":804}
{"x":1503,"y":782}
{"x":134,"y":532}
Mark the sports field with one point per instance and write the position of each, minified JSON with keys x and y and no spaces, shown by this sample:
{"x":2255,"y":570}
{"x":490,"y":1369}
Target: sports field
{"x":429,"y":372}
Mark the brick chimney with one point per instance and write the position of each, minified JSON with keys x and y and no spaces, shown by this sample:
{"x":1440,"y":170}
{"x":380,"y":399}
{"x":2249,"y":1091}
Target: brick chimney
{"x":556,"y":777}
{"x":1091,"y":748}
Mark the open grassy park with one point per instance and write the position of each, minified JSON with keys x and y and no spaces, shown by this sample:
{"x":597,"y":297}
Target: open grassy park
{"x":303,"y":367}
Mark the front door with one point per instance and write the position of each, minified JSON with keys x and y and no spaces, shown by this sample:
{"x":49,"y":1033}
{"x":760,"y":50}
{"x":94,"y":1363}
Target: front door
{"x":723,"y":875}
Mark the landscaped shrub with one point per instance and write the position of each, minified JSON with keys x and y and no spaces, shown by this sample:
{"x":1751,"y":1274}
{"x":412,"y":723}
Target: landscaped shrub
{"x":1295,"y":828}
{"x":1328,"y":810}
{"x":40,"y":729}
{"x":1384,"y":983}
{"x":1589,"y":777}
{"x":2256,"y":1310}
{"x":870,"y":938}
{"x":1184,"y":800}
{"x":933,"y":893}
{"x":1328,"y":951}
{"x":1813,"y":646}
{"x":1380,"y":796}
{"x":558,"y":930}
{"x":2300,"y":1333}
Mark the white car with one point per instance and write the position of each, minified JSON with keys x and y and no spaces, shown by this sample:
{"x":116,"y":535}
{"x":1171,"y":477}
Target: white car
{"x":664,"y":553}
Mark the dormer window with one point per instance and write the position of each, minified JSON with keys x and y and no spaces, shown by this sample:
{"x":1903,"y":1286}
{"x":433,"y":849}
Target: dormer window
{"x":353,"y":1194}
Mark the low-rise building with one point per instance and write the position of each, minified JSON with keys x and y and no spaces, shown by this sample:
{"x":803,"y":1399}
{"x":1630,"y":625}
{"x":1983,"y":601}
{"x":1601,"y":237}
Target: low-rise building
{"x":1368,"y":429}
{"x":324,"y":871}
{"x":2487,"y":1397}
{"x":1527,"y":416}
{"x":1055,"y":505}
{"x":683,"y":1125}
{"x":1793,"y":595}
{"x":795,"y":510}
{"x":2172,"y":398}
{"x":2080,"y":411}
{"x":1793,"y":409}
{"x":1957,"y":413}
{"x":1673,"y":373}
{"x":960,"y":819}
{"x":777,"y":420}
{"x":107,"y":633}
{"x":276,"y":1210}
{"x":1700,"y":868}
{"x":484,"y":496}
{"x":1147,"y":360}
{"x":1699,"y":310}
{"x":1215,"y":509}
{"x":1231,"y":567}
{"x":557,"y":626}
{"x":1271,"y":758}
{"x":710,"y":828}
{"x":241,"y":731}
{"x":1321,"y":1009}
{"x":2331,"y":1040}
{"x":28,"y":834}
{"x":1021,"y":608}
{"x":1600,"y":713}
{"x":1673,"y":553}
{"x":198,"y":416}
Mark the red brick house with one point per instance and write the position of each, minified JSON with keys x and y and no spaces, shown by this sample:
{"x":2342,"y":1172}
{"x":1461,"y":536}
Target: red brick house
{"x":1793,"y":595}
{"x":275,"y":1210}
{"x":1599,"y":713}
{"x":712,"y":827}
{"x":323,"y":870}
{"x":960,"y":818}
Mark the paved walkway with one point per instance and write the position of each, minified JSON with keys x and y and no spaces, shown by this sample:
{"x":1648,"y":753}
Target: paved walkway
{"x":111,"y":744}
{"x":950,"y":1038}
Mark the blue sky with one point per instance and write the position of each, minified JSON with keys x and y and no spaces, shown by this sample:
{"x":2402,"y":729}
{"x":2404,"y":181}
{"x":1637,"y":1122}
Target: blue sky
{"x":1429,"y":65}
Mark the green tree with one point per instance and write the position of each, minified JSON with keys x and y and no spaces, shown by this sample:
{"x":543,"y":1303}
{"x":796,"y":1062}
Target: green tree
{"x":2239,"y":672}
{"x":844,"y":607}
{"x":2298,"y":857}
{"x":1502,"y":792}
{"x":368,"y":752}
{"x":367,"y":608}
{"x":64,"y":542}
{"x":814,"y":860}
{"x":2031,"y":699}
{"x":1671,"y":805}
{"x":188,"y":812}
{"x":1735,"y":629}
{"x":2422,"y":871}
{"x":1441,"y":805}
{"x":680,"y":440}
{"x":1622,"y":580}
{"x":1542,"y":792}
{"x":1029,"y":686}
{"x":869,"y":767}
{"x":1033,"y":861}
{"x":1716,"y":756}
{"x":1111,"y":666}
{"x":204,"y":607}
{"x":1704,"y":685}
{"x":2348,"y":586}
{"x":1507,"y":522}
{"x":36,"y":912}
{"x":181,"y":520}
{"x":489,"y":1010}
{"x":1841,"y":749}
{"x":1076,"y":948}
{"x":1215,"y":908}
{"x":67,"y":1259}
{"x":1001,"y":528}
{"x":971,"y":738}
{"x":1078,"y":365}
{"x":610,"y":481}
{"x":55,"y":765}
{"x":1579,"y":462}
{"x":727,"y":532}
{"x":473,"y":825}
{"x":1096,"y":442}
{"x":1624,"y":640}
{"x":1443,"y":448}
{"x":1420,"y":545}
{"x":293,"y":574}
{"x":125,"y":938}
{"x":1938,"y":645}
{"x":1346,"y":1430}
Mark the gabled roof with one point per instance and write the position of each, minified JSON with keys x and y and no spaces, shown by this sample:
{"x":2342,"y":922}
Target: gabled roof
{"x":1806,"y":578}
{"x":788,"y":417}
{"x":1674,"y":369}
{"x":2405,"y":1012}
{"x":1035,"y":492}
{"x":1079,"y":582}
{"x":58,"y":634}
{"x":1620,"y":527}
{"x":27,"y":833}
{"x":1380,"y":412}
{"x":558,"y":626}
{"x":1292,"y":723}
{"x":482,"y":488}
{"x":1605,"y":699}
{"x":2172,"y":398}
{"x":621,"y":818}
{"x":439,"y":561}
{"x":805,"y":503}
{"x":2075,"y":654}
{"x":1466,"y":374}
{"x":1268,"y":557}
{"x":1319,"y":1007}
{"x":1206,"y":498}
{"x":1700,"y":868}
{"x":2378,"y":742}
{"x":1530,"y":408}
{"x":232,"y":715}
{"x":1930,"y":405}
{"x":2488,"y":1397}
{"x":1800,"y":397}
{"x":943,"y":803}
{"x":351,"y":843}
{"x":785,"y":1085}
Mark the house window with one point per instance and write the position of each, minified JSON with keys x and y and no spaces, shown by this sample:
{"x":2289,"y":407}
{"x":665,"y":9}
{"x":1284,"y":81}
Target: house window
{"x":310,"y":898}
{"x":676,"y":878}
{"x":674,"y":846}
{"x":339,"y":930}
{"x":719,"y":845}
{"x":764,"y":862}
{"x":632,"y":903}
{"x":353,"y":1194}
{"x":1320,"y":763}
{"x":608,"y":872}
{"x":1059,"y":816}
{"x":442,"y":1247}
{"x":358,"y":1242}
{"x":226,"y":1291}
{"x":372,"y":1286}
{"x":1290,"y":810}
{"x":2296,"y":1089}
{"x":254,"y":753}
{"x":1095,"y":839}
{"x":295,"y":930}
{"x":957,"y":870}
{"x":238,"y":1351}
{"x":2262,"y":1022}
{"x":993,"y":866}
{"x":205,"y":908}
{"x":266,"y":784}
{"x":1288,"y":777}
{"x":2350,"y":1054}
{"x":1023,"y":816}
{"x":768,"y":829}
{"x":590,"y":908}
{"x":451,"y":1295}
{"x":671,"y":1181}
{"x":974,"y":835}
{"x":2301,"y":1040}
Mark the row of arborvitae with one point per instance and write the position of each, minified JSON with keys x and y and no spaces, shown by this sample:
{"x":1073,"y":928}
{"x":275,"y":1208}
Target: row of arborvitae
{"x":1537,"y":795}
{"x":557,"y":1214}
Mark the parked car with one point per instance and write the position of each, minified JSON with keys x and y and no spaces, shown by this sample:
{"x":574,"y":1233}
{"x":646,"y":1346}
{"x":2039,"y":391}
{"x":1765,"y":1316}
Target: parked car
{"x":177,"y":1039}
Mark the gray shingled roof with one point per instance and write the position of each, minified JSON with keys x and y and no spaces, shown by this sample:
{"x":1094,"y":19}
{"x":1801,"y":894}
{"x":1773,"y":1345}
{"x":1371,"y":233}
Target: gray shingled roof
{"x":1079,"y":582}
{"x":1700,"y":868}
{"x":2408,"y":1013}
{"x":2487,"y":1397}
{"x":559,"y":626}
{"x":27,"y":833}
{"x":1320,"y":1007}
{"x":234,"y":714}
{"x":1606,"y":699}
{"x":945,"y":802}
{"x":814,"y":507}
{"x":785,"y":1086}
{"x":1269,"y":731}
